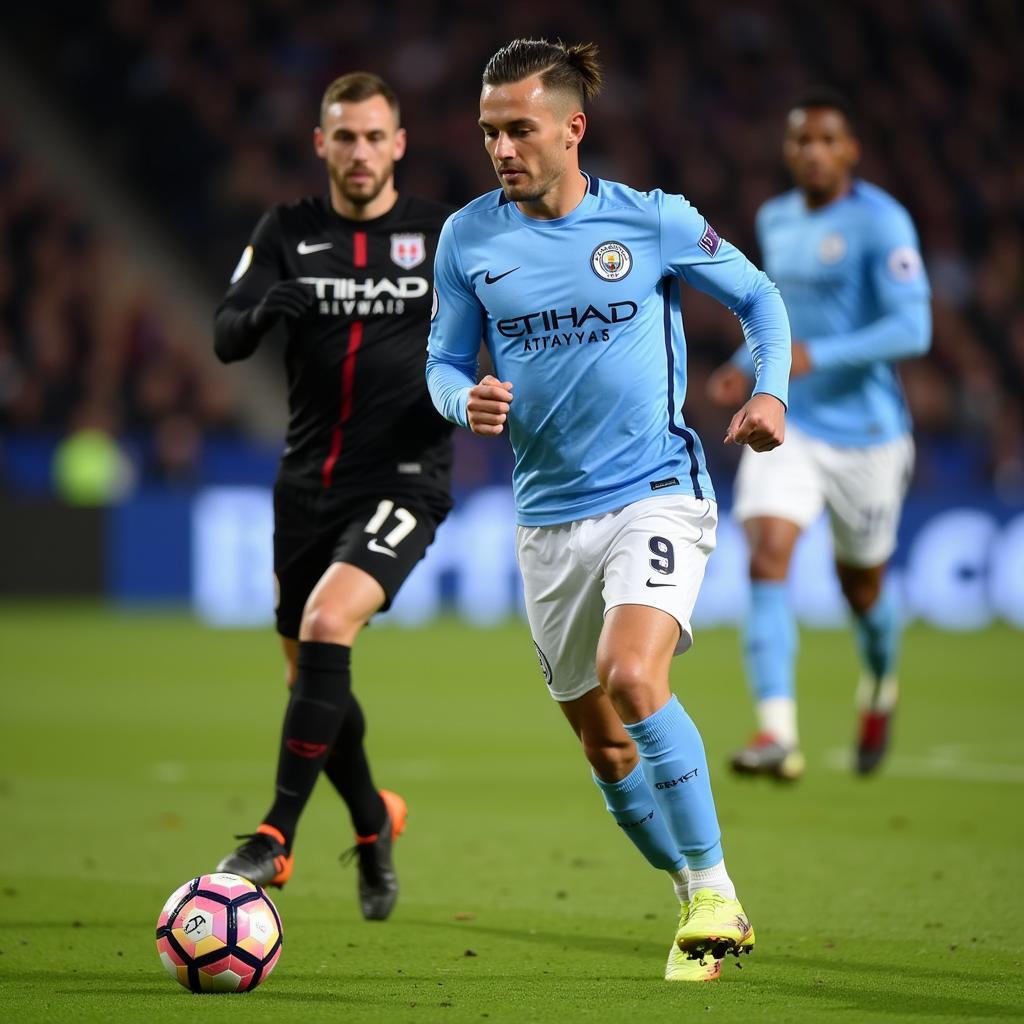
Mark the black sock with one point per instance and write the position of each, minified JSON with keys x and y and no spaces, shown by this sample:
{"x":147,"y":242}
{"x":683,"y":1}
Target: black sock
{"x":317,"y":706}
{"x":349,"y":772}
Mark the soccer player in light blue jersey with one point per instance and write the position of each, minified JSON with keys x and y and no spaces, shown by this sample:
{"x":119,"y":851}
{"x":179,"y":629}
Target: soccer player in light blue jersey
{"x":845,"y":257}
{"x":572,"y":283}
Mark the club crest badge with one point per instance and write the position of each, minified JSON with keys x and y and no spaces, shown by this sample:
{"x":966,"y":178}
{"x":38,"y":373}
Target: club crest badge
{"x":831,"y":249}
{"x":611,"y":261}
{"x":408,"y":250}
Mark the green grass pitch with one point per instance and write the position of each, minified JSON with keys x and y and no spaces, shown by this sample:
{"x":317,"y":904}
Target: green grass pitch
{"x":135,"y":746}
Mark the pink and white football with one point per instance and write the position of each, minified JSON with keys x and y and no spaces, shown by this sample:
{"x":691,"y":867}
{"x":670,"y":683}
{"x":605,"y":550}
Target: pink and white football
{"x":219,"y":933}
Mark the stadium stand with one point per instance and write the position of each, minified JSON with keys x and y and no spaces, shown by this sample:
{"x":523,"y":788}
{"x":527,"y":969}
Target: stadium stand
{"x":205,"y":111}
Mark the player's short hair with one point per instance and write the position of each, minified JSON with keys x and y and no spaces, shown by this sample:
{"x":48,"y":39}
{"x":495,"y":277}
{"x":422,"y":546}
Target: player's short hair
{"x":356,"y":87}
{"x":825,"y":96}
{"x":572,"y":69}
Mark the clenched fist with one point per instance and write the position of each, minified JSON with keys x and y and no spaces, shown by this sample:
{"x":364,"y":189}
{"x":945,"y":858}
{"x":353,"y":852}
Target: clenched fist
{"x":761,"y":423}
{"x":488,"y":406}
{"x":288,"y":299}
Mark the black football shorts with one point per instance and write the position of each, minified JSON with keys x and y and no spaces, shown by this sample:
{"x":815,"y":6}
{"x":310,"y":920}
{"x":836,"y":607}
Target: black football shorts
{"x":385,"y":537}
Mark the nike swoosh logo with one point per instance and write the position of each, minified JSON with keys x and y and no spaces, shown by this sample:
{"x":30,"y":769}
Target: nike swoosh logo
{"x":650,"y":584}
{"x":493,"y":280}
{"x":379,"y":548}
{"x":304,"y":248}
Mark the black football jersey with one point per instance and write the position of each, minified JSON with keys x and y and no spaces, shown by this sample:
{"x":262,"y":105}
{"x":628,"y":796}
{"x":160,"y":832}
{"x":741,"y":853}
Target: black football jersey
{"x":360,"y":417}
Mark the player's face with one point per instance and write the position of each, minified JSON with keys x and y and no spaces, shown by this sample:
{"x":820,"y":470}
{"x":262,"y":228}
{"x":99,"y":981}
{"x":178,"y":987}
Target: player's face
{"x":359,"y":143}
{"x":530,"y":135}
{"x":819,"y":150}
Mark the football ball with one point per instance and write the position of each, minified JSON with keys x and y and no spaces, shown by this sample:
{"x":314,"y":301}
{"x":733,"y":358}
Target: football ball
{"x":219,"y":933}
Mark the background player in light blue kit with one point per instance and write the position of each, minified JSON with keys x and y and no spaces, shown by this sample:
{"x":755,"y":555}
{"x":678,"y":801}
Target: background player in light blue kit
{"x":846,"y":260}
{"x":573,"y":284}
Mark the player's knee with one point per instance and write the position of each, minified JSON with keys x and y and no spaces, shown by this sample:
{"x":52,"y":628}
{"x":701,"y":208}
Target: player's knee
{"x":861,"y":592}
{"x":769,"y":560}
{"x":326,"y":624}
{"x":625,"y":677}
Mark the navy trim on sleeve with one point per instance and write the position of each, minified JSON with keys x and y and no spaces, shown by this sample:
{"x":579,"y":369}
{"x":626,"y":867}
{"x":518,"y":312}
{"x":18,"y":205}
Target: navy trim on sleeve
{"x":683,"y":432}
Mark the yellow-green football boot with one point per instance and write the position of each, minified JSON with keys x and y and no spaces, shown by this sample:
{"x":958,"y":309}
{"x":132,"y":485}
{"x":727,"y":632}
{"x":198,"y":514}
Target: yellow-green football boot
{"x":714,"y":927}
{"x":681,"y":968}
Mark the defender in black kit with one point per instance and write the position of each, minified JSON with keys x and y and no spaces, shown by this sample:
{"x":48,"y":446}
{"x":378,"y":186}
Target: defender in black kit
{"x":364,"y":479}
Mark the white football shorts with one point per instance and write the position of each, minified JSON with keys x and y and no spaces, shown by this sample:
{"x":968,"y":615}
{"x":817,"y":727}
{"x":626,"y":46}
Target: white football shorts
{"x":862,"y":488}
{"x":652,"y":552}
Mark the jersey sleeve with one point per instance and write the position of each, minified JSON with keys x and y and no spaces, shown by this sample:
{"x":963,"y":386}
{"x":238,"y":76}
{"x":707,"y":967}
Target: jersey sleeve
{"x":456,"y":325}
{"x":691,"y":249}
{"x":259,"y":267}
{"x":741,"y":357}
{"x":897,"y":276}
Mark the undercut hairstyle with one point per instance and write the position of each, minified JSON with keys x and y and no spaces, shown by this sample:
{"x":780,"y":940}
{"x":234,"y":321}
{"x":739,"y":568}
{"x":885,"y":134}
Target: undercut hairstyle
{"x":575,"y":70}
{"x":825,"y":96}
{"x":356,"y":87}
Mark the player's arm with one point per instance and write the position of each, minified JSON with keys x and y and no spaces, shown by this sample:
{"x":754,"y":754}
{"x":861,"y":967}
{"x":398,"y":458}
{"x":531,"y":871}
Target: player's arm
{"x":258,"y":297}
{"x":903,"y":329}
{"x":692,"y":250}
{"x":761,"y":421}
{"x":456,"y":327}
{"x":732,"y":381}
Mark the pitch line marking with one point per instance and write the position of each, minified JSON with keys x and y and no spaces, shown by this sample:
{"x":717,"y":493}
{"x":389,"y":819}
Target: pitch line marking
{"x":942,"y":762}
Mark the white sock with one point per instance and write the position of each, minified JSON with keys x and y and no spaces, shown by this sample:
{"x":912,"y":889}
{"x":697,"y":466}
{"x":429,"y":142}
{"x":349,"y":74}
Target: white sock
{"x":877,"y":694}
{"x":777,"y":717}
{"x":681,"y":884}
{"x":716,"y":878}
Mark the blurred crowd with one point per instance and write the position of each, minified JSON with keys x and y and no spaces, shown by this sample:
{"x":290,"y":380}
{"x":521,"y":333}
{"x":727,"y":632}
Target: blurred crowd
{"x":87,"y":343}
{"x":206,"y":111}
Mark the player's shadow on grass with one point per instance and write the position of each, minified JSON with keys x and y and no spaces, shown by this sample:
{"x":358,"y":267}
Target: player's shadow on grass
{"x":170,"y":990}
{"x":891,"y":1002}
{"x":575,"y":940}
{"x":91,"y":983}
{"x":842,"y":966}
{"x":156,"y":991}
{"x":76,"y":978}
{"x":68,"y":926}
{"x":163,"y":992}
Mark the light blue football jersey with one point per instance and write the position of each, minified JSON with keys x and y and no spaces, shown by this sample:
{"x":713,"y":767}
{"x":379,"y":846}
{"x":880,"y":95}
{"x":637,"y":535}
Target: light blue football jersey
{"x":855,"y":287}
{"x":582,"y":314}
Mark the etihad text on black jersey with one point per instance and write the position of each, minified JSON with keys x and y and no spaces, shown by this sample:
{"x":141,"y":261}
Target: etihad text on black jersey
{"x":346,"y":296}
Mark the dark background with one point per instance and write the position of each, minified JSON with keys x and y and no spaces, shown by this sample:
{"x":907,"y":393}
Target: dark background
{"x":144,"y":140}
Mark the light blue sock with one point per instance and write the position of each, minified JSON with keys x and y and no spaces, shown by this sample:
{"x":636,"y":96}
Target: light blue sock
{"x":878,"y":633}
{"x":632,"y":806}
{"x":676,"y":770}
{"x":770,"y":640}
